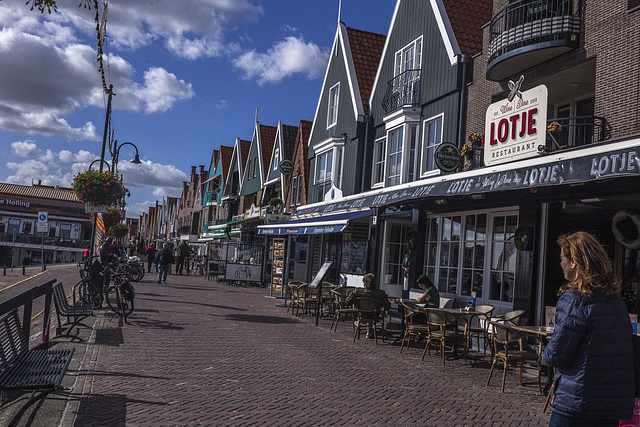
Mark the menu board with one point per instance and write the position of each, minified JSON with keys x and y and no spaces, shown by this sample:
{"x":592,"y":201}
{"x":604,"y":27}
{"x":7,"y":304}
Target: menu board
{"x":277,"y":266}
{"x":354,"y":257}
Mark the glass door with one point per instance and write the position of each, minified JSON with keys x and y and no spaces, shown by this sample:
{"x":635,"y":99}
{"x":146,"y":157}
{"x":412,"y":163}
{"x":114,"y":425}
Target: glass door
{"x":502,"y":265}
{"x":392,"y":277}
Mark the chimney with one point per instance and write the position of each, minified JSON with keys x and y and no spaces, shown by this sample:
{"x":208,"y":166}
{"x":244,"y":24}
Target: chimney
{"x":193,"y":170}
{"x":201,"y":169}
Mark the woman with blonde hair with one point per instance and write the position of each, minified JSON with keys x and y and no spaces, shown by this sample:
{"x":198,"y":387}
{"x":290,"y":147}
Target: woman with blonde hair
{"x":591,"y":345}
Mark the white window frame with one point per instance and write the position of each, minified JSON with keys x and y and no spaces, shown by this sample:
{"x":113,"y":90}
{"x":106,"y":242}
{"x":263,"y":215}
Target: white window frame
{"x":276,"y":155}
{"x":336,"y":147}
{"x":395,"y":158}
{"x":379,"y":162}
{"x":294,"y":190}
{"x":427,"y":145}
{"x":400,"y":65}
{"x":433,"y":271}
{"x":333,"y":104}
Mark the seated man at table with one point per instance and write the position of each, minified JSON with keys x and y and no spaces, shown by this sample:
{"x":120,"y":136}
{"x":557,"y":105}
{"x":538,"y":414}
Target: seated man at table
{"x":431,"y":296}
{"x":370,"y":290}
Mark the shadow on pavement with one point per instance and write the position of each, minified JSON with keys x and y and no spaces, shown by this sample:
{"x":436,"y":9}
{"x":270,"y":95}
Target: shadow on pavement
{"x":260,"y":319}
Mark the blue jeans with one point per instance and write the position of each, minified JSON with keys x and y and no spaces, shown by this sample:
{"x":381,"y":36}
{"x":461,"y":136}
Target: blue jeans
{"x":163,"y":269}
{"x":558,"y":420}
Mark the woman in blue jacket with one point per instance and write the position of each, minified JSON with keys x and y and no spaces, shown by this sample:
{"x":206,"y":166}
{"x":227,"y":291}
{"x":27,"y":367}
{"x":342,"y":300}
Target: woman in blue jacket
{"x":591,"y":345}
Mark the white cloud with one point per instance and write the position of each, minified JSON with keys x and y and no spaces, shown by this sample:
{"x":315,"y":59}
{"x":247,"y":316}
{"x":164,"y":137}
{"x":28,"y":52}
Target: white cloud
{"x":285,"y":58}
{"x":26,"y":148}
{"x":161,"y":91}
{"x":222,"y":105}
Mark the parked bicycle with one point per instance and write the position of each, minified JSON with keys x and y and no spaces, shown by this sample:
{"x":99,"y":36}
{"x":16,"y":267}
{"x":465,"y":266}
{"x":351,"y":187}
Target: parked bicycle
{"x":194,"y":264}
{"x":90,"y":287}
{"x":120,"y":295}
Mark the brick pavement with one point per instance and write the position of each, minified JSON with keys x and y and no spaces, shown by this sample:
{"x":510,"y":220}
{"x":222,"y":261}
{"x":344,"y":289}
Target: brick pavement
{"x":201,"y":353}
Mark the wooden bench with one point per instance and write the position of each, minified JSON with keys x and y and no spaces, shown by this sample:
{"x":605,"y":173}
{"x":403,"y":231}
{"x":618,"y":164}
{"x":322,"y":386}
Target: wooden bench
{"x":63,"y":308}
{"x":22,"y":368}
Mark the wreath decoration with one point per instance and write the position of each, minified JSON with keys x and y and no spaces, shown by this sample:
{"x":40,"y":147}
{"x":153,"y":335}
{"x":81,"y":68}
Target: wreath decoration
{"x":626,"y":229}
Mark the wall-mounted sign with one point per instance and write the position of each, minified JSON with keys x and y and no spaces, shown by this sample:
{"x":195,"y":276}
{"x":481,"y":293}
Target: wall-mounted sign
{"x":516,"y":126}
{"x":89,"y":208}
{"x":447,"y":157}
{"x":42,"y":226}
{"x":286,"y":167}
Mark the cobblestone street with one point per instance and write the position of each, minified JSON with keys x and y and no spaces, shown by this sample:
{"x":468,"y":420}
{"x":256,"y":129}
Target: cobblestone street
{"x":196,"y":352}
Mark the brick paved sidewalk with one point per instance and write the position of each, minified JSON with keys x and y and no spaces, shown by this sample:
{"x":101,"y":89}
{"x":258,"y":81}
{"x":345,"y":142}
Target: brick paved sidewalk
{"x":201,"y":353}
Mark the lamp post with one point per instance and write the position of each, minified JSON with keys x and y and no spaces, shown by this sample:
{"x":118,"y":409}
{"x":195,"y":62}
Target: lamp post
{"x":98,"y":160}
{"x":116,"y":155}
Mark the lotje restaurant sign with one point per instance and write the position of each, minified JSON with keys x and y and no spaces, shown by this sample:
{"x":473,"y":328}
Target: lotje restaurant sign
{"x":516,"y":126}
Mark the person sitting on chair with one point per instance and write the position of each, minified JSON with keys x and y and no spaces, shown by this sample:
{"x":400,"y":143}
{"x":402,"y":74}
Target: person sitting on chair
{"x":431,"y":296}
{"x":369,"y":291}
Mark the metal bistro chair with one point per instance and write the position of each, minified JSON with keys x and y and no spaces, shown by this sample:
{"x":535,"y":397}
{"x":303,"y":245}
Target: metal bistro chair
{"x":502,"y":337}
{"x":369,"y":310}
{"x":415,"y":323}
{"x":294,"y":288}
{"x":340,"y":310}
{"x":482,"y":313}
{"x":444,"y":330}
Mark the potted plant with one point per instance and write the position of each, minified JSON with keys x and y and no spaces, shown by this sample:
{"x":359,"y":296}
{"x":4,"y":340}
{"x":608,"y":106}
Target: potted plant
{"x":476,"y":140}
{"x":111,"y":217}
{"x":98,"y":188}
{"x":554,"y":127}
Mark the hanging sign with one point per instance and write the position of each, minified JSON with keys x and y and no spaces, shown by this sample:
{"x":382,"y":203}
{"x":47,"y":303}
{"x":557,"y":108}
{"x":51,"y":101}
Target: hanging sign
{"x":516,"y":126}
{"x":286,"y":167}
{"x":447,"y":157}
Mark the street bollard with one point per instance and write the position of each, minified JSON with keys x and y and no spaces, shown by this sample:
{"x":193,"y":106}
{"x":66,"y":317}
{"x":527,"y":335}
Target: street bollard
{"x":4,"y":271}
{"x":44,"y":267}
{"x":23,"y":272}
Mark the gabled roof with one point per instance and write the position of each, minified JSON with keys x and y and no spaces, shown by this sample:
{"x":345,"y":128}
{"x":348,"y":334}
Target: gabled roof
{"x":366,"y":49}
{"x":244,"y":154}
{"x":304,"y":132}
{"x":267,"y":138}
{"x":226,"y":153}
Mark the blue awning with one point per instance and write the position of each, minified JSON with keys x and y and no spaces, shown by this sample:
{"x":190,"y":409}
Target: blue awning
{"x":334,"y":223}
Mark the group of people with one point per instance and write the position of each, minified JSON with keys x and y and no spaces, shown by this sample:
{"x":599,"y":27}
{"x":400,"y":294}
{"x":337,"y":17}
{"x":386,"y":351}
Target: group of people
{"x":591,"y":347}
{"x":164,"y":258}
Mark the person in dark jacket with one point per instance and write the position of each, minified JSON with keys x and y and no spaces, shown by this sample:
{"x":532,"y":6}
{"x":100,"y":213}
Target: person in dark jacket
{"x":369,"y":290}
{"x":183,"y":253}
{"x":151,"y":257}
{"x":164,"y":259}
{"x":591,"y":346}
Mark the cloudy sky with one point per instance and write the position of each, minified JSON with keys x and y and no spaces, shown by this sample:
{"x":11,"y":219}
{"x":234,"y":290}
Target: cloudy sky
{"x":187,"y":75}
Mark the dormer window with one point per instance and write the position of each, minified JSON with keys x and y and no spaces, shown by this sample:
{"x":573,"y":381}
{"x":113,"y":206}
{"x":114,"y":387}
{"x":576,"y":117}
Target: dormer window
{"x":332,"y":114}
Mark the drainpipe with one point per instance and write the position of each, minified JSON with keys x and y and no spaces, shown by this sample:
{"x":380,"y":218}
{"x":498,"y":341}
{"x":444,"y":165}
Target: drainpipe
{"x":464,"y":60}
{"x":368,"y":120}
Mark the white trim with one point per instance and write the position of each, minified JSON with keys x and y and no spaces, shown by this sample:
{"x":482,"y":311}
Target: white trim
{"x":446,"y":31}
{"x":402,"y":116}
{"x":19,"y":215}
{"x":421,"y":172}
{"x":336,"y":106}
{"x":324,"y":82}
{"x":354,"y":88}
{"x":384,"y":52}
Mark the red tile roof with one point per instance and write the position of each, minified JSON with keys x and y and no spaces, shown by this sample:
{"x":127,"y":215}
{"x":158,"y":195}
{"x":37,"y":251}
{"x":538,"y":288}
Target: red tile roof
{"x":226,"y":153}
{"x":366,"y":49}
{"x":267,"y":138}
{"x":244,"y":154}
{"x":467,"y":18}
{"x":305,"y":133}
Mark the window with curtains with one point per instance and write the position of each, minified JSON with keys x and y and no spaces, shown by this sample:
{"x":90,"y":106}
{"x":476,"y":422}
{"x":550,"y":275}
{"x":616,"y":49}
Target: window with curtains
{"x":394,"y":162}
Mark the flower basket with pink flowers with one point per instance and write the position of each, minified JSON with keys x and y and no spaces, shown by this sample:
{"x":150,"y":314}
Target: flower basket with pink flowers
{"x":98,"y":188}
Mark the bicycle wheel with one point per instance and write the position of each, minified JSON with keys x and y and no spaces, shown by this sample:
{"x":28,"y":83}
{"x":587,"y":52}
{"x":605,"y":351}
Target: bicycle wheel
{"x":118,"y":303}
{"x":92,"y":295}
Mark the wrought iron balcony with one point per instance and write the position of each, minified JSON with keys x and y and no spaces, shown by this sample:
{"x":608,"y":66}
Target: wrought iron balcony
{"x":576,"y":132}
{"x":210,"y":198}
{"x":230,"y":190}
{"x":526,"y":33}
{"x":403,"y":90}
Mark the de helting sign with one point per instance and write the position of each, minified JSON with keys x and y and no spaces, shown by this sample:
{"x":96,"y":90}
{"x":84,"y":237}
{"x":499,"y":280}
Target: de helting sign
{"x":516,"y":126}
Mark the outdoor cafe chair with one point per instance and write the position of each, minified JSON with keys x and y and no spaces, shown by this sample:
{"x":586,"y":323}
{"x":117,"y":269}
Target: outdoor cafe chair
{"x":482,"y":313}
{"x":368,"y":314}
{"x":415,"y":323}
{"x":444,"y":331}
{"x":340,"y":310}
{"x":512,"y":317}
{"x":294,"y":291}
{"x":503,"y":336}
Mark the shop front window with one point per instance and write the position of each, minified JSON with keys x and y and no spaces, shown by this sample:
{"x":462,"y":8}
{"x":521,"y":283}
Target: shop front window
{"x":14,"y":224}
{"x":449,"y":254}
{"x":65,"y":231}
{"x":475,"y":236}
{"x":503,"y":260}
{"x":396,"y":249}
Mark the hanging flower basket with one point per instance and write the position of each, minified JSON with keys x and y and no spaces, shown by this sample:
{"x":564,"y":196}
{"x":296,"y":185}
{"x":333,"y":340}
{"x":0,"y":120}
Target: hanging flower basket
{"x":554,"y":127}
{"x":476,"y":139}
{"x":118,"y":230}
{"x":98,"y":188}
{"x":111,"y":217}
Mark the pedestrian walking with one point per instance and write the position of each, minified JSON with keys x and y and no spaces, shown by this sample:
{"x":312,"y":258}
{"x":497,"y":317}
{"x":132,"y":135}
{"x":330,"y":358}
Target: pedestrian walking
{"x":164,"y":259}
{"x":183,"y":254}
{"x":85,"y":254}
{"x":150,"y":252}
{"x":591,"y":345}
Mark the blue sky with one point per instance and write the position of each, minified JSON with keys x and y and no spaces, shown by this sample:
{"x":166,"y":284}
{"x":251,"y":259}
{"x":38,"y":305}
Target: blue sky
{"x":188,"y":76}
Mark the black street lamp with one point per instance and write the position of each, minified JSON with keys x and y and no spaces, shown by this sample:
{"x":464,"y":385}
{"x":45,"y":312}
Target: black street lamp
{"x":98,"y":160}
{"x":116,"y":154}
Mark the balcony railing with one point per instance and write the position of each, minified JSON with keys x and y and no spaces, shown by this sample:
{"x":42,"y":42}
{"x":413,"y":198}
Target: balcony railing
{"x":539,"y":24}
{"x":576,"y":132}
{"x":48,"y":241}
{"x":210,"y":198}
{"x":403,"y":90}
{"x":230,"y":190}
